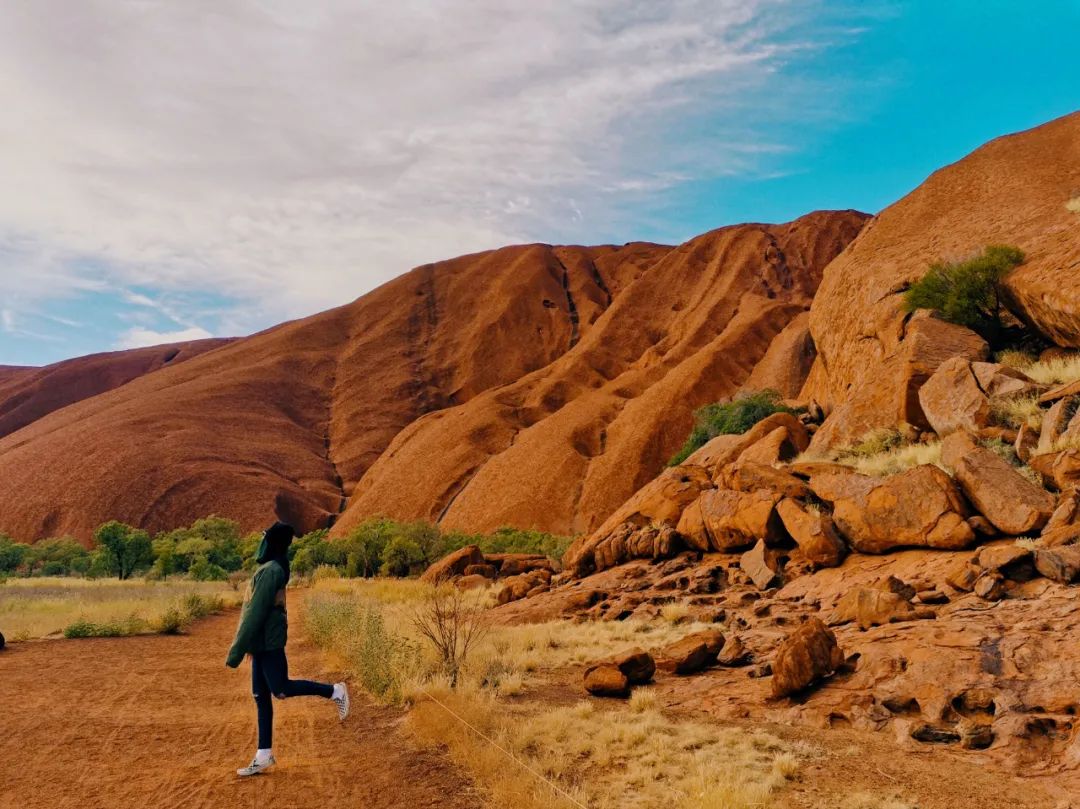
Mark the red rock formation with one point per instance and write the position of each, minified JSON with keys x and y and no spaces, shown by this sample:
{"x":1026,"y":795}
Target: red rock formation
{"x":1013,"y":190}
{"x":28,"y":394}
{"x":563,"y":447}
{"x":287,"y":421}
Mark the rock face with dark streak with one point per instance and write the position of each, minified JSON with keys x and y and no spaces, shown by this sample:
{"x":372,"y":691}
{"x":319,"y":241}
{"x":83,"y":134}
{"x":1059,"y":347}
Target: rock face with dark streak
{"x":534,"y":386}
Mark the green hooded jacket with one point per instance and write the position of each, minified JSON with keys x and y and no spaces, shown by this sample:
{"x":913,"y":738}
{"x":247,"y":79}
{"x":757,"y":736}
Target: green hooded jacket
{"x":264,"y":622}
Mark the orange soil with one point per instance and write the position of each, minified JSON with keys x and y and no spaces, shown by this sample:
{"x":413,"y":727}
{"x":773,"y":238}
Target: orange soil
{"x":160,"y":722}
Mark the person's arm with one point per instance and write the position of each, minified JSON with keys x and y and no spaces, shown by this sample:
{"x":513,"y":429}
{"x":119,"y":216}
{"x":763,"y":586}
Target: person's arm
{"x":264,"y":587}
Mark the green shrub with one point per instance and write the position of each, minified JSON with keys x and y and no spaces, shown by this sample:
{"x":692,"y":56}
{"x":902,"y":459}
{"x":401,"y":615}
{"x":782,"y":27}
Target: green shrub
{"x":968,"y":292}
{"x":171,"y":622}
{"x":383,"y":661}
{"x":107,"y":629}
{"x":401,"y":557}
{"x":54,"y":557}
{"x":729,"y":418}
{"x":12,"y":554}
{"x":202,"y":569}
{"x":507,"y":540}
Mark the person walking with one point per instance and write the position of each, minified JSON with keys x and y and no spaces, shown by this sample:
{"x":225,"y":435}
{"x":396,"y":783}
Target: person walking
{"x":262,"y":634}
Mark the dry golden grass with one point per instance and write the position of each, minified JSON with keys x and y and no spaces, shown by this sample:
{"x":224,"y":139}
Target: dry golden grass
{"x":44,"y":607}
{"x":1017,"y":411}
{"x":602,"y":757}
{"x":1049,"y":372}
{"x":611,"y":755}
{"x":896,"y":460}
{"x":1073,"y":205}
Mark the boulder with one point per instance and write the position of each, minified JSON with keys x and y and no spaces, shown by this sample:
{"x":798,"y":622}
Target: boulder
{"x":734,"y":520}
{"x":636,"y":664}
{"x":514,"y":564}
{"x":1054,"y":423}
{"x":952,"y":398}
{"x":472,"y":582}
{"x":920,"y":507}
{"x":1011,"y":502}
{"x":734,"y":653}
{"x":692,"y":653}
{"x":659,"y":502}
{"x":1012,"y":561}
{"x":1059,"y":564}
{"x":1061,"y":392}
{"x":998,"y":380}
{"x":775,"y":447}
{"x":453,"y":564}
{"x":1063,"y":527}
{"x":804,"y":657}
{"x":517,"y":587}
{"x":750,"y":476}
{"x":1061,"y":470}
{"x":990,"y":586}
{"x":485,"y":570}
{"x":725,"y":449}
{"x":963,"y":576}
{"x":606,"y":681}
{"x":868,"y":607}
{"x":813,"y":532}
{"x":762,"y":565}
{"x":890,"y":395}
{"x":1027,"y":442}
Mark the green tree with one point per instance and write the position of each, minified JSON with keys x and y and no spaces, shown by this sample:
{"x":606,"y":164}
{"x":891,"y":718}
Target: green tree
{"x":402,"y":556}
{"x":55,"y":556}
{"x":164,"y":556}
{"x":12,"y":554}
{"x":968,"y":292}
{"x":202,"y":569}
{"x":729,"y":418}
{"x":127,"y":548}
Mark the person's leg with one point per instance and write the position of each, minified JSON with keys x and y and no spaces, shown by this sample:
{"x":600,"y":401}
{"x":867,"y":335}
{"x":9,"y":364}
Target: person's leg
{"x":264,"y":704}
{"x":264,"y":708}
{"x":275,"y":666}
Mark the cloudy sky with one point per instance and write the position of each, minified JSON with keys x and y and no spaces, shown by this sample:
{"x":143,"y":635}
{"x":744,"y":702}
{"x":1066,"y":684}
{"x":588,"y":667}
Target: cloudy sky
{"x":172,"y":170}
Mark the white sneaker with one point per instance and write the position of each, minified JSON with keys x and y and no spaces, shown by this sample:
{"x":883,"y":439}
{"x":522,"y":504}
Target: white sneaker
{"x":256,"y":767}
{"x":342,"y":701}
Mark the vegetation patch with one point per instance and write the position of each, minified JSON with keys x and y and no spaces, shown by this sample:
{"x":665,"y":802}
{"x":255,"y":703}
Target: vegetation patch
{"x":729,"y":418}
{"x":968,"y":293}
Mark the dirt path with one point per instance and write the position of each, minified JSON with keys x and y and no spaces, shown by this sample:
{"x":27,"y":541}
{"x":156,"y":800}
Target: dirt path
{"x":160,"y":722}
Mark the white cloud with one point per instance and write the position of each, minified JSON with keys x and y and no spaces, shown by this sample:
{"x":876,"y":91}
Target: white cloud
{"x":290,"y":156}
{"x":140,"y":337}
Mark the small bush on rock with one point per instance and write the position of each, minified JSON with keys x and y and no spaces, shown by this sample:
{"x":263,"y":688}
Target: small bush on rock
{"x":968,"y":293}
{"x":729,"y":418}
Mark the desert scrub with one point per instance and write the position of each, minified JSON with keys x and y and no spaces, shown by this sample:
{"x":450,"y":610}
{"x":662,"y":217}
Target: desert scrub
{"x":383,"y":660}
{"x":968,"y":292}
{"x":875,"y":442}
{"x":892,"y":461}
{"x":604,"y":757}
{"x":729,"y":418}
{"x":1017,"y":411}
{"x":132,"y":625}
{"x":44,"y":607}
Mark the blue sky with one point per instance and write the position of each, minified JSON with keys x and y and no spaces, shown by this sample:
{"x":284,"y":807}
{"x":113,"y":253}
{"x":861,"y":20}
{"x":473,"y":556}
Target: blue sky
{"x":180,"y":170}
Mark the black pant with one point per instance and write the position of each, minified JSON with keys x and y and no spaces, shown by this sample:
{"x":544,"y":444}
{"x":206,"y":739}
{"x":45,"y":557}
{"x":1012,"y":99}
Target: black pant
{"x":270,"y":675}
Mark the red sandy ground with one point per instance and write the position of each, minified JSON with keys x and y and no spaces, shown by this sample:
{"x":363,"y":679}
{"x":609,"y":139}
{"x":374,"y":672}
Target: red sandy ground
{"x":160,"y":722}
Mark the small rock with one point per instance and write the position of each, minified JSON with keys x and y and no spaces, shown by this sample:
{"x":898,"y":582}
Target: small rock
{"x":1059,"y":564}
{"x":692,"y":653}
{"x":990,"y":586}
{"x":606,"y":681}
{"x":1011,"y":561}
{"x":963,"y":577}
{"x":453,"y":564}
{"x":734,"y":653}
{"x":932,"y":597}
{"x":637,"y":664}
{"x":891,"y":584}
{"x":807,"y":655}
{"x":485,"y":570}
{"x":761,"y":565}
